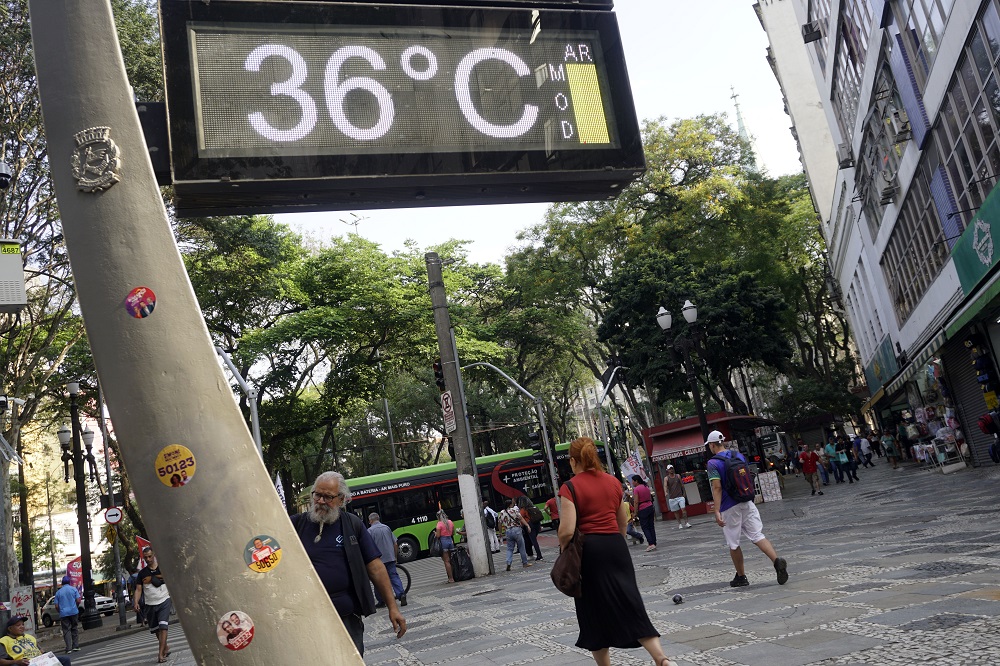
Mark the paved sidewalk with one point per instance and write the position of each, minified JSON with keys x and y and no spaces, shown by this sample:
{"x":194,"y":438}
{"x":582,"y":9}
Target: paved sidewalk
{"x":900,"y":568}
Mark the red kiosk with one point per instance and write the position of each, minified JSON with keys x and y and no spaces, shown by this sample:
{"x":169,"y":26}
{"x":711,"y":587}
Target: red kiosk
{"x":680,"y":443}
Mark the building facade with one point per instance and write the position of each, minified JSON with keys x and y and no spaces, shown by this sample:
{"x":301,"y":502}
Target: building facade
{"x":902,"y":98}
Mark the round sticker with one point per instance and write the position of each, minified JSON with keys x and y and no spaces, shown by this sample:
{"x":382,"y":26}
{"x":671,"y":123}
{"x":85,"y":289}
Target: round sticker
{"x":235,"y":630}
{"x":175,"y":465}
{"x":262,"y":554}
{"x":140,"y":302}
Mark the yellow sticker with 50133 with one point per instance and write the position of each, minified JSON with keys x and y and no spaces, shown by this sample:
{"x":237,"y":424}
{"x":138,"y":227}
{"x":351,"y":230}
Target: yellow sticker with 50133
{"x":175,"y":465}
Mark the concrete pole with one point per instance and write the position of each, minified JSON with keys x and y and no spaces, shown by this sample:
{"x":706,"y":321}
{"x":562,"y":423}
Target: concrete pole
{"x":102,"y":422}
{"x":468,"y":484}
{"x":157,"y":366}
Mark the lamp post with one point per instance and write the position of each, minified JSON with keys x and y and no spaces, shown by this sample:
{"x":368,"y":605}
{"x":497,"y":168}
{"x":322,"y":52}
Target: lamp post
{"x":90,"y":619}
{"x":684,"y":344}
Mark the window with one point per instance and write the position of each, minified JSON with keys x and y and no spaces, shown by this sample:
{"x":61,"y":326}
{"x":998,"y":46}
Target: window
{"x":921,"y":25}
{"x":819,"y":13}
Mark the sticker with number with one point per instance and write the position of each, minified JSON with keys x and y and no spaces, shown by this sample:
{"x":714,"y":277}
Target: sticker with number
{"x":262,"y":554}
{"x":235,"y":630}
{"x":175,"y":466}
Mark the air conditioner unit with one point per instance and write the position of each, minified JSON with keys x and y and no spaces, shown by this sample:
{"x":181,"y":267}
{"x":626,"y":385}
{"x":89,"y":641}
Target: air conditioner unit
{"x":888,"y":194}
{"x":844,"y":157}
{"x":811,"y":32}
{"x":900,"y":127}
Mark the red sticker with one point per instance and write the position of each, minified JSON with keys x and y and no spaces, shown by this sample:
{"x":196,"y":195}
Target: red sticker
{"x":235,"y":630}
{"x":140,"y":302}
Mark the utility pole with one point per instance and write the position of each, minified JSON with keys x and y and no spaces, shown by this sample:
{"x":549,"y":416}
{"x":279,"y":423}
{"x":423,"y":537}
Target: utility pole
{"x":167,"y":395}
{"x":468,"y":483}
{"x":120,"y":597}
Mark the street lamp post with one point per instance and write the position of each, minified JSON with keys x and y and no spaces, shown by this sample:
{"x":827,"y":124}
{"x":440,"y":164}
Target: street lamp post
{"x":683,"y":344}
{"x":90,"y":619}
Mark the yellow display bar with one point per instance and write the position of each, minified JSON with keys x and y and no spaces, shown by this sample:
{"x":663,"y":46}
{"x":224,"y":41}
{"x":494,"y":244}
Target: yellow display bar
{"x":588,"y":105}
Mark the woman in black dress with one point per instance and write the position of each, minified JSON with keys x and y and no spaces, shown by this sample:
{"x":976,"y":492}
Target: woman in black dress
{"x":610,"y":611}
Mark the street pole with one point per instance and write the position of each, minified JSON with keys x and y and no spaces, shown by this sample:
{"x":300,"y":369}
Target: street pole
{"x":600,"y":418}
{"x":52,"y":534}
{"x":122,"y":623}
{"x":388,"y":419}
{"x":27,"y":566}
{"x":166,"y":392}
{"x":251,"y":394}
{"x":541,"y":421}
{"x":472,"y":448}
{"x":90,"y":618}
{"x":692,"y":378}
{"x":468,"y":483}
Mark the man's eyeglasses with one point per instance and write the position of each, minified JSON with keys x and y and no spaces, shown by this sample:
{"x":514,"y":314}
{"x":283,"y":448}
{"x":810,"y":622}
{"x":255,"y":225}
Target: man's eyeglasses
{"x":327,"y":498}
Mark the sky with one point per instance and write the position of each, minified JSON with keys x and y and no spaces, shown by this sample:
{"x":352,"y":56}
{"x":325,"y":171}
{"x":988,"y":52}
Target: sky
{"x":684,"y":58}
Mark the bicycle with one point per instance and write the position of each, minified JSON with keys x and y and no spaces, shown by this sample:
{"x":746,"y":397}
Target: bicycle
{"x":404,"y":577}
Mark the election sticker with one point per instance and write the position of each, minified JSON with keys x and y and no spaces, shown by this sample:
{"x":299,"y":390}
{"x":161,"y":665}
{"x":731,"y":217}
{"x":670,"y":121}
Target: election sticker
{"x":235,"y":630}
{"x":175,"y":465}
{"x":140,"y":302}
{"x":262,"y":554}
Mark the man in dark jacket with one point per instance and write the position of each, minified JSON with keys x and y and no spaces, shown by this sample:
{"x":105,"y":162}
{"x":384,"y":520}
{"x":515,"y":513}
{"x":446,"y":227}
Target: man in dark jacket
{"x":345,"y":557}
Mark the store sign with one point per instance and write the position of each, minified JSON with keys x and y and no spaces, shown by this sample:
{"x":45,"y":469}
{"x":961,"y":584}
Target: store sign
{"x":882,"y":365}
{"x":978,"y":249}
{"x":297,"y":106}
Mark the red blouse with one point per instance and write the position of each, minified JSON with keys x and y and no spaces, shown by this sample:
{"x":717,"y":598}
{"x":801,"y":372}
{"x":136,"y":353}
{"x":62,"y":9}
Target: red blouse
{"x":598,"y":496}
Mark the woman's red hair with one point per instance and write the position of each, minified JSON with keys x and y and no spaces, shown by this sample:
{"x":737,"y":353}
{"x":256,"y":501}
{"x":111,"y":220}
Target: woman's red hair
{"x":583,"y":451}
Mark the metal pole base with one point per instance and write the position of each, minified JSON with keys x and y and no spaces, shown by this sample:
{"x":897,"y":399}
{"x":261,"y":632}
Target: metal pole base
{"x":91,"y":619}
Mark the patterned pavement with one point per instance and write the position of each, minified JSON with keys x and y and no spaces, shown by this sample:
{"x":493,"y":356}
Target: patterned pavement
{"x":901,"y":568}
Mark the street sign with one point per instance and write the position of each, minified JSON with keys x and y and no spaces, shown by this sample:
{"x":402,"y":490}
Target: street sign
{"x":448,"y":409}
{"x":110,"y":533}
{"x":113,"y":515}
{"x":298,"y":106}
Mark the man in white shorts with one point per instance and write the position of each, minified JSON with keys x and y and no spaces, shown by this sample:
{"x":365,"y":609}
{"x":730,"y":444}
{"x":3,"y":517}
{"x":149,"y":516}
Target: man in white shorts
{"x":675,"y":497}
{"x":737,"y":518}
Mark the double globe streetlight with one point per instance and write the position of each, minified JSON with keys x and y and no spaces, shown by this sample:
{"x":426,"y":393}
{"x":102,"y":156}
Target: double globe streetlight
{"x":684,"y":344}
{"x":69,"y":439}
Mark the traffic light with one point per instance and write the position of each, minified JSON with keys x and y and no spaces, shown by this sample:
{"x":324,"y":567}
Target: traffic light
{"x":535,"y":440}
{"x":439,"y":375}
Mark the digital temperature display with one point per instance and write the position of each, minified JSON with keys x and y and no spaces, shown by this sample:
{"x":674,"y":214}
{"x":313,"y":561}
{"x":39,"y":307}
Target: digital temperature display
{"x":317,"y":90}
{"x":287,"y":106}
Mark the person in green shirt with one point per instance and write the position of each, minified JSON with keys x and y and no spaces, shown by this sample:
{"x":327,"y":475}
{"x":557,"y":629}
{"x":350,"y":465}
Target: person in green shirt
{"x":889,"y":445}
{"x":831,"y":455}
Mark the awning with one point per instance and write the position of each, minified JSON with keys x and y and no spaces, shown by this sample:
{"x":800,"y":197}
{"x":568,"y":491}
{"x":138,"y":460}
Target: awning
{"x":919,"y":362}
{"x":986,"y":296}
{"x":683,"y":443}
{"x":872,"y":400}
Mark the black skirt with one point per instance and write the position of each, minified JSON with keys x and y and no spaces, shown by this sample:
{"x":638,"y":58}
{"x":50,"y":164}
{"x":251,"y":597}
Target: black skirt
{"x":610,"y":612}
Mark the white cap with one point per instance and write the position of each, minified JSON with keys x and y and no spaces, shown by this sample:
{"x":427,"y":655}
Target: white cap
{"x":715,"y":437}
{"x":670,"y":466}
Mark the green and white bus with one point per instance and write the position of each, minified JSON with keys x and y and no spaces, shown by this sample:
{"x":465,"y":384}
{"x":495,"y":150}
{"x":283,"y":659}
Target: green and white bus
{"x":408,"y":500}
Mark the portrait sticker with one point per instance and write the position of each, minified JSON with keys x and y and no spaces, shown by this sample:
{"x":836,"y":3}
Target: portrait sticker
{"x":140,"y":302}
{"x":262,"y":554}
{"x":175,"y":465}
{"x":235,"y":630}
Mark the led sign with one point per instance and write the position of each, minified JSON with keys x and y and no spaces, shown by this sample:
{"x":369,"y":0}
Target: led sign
{"x":295,"y":106}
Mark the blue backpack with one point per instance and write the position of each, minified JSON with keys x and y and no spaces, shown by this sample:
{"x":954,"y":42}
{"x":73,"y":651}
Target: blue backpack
{"x":737,"y":479}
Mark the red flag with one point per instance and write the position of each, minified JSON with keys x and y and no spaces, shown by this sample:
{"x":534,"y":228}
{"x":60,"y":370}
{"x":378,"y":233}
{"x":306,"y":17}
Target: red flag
{"x":142,"y":543}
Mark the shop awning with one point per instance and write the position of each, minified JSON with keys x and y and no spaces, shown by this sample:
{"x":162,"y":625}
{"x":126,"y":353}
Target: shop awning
{"x":985,"y":297}
{"x":919,"y":361}
{"x":872,"y":400}
{"x":683,"y":443}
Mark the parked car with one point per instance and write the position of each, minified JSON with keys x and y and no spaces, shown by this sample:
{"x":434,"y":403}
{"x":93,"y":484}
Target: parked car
{"x":50,"y":614}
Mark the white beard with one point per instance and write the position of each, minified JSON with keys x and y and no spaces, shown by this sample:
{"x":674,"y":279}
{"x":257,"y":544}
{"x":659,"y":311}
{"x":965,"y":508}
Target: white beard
{"x":327,"y":517}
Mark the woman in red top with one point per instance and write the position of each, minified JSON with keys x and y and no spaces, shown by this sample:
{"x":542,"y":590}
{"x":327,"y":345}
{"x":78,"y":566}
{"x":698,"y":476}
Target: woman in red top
{"x":446,"y":530}
{"x":610,"y":611}
{"x":644,"y":510}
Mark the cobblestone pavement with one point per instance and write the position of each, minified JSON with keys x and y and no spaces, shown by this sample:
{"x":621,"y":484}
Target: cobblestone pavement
{"x":901,"y":568}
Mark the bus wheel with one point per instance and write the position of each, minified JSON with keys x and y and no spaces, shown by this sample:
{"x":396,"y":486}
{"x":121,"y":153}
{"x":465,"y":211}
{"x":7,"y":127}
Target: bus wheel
{"x":409,"y":549}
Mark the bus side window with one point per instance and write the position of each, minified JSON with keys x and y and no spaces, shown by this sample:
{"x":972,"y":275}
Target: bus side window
{"x":448,"y":496}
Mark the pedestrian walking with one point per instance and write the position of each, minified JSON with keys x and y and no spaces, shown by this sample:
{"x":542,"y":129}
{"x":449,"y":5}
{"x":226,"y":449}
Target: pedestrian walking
{"x":446,"y":532}
{"x":610,"y":611}
{"x":491,"y":527}
{"x":552,"y":509}
{"x":865,"y":449}
{"x":533,"y":516}
{"x":845,"y":453}
{"x":642,"y":500}
{"x":676,"y":501}
{"x":631,"y":520}
{"x":823,"y":466}
{"x":875,"y":437}
{"x":831,"y":455}
{"x":511,"y":521}
{"x":385,"y":541}
{"x":810,"y":468}
{"x":344,"y":549}
{"x":18,"y":648}
{"x":737,"y":517}
{"x":889,"y":444}
{"x":158,"y":606}
{"x":68,"y":601}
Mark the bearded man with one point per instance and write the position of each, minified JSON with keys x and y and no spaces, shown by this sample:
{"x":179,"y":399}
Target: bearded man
{"x":345,"y":557}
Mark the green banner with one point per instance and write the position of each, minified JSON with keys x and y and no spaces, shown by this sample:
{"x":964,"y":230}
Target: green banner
{"x":978,"y":248}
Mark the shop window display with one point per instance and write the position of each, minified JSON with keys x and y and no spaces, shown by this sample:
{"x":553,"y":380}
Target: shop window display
{"x":934,"y":435}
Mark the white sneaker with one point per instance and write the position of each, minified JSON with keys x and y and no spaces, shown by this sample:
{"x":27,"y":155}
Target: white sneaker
{"x":680,"y":527}
{"x":687,"y":524}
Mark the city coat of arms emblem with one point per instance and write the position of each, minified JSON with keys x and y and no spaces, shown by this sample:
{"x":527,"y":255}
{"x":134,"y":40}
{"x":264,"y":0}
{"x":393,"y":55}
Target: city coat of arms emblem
{"x":982,"y":241}
{"x":96,"y":159}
